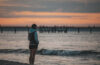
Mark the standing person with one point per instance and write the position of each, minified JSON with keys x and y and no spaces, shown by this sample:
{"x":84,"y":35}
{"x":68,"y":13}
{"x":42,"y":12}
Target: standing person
{"x":33,"y":45}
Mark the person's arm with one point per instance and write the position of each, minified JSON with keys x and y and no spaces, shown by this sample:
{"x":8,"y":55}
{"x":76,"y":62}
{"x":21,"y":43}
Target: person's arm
{"x":36,"y":38}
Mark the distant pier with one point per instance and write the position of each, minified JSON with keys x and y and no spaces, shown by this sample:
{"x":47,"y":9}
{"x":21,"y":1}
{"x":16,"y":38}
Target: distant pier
{"x":50,"y":29}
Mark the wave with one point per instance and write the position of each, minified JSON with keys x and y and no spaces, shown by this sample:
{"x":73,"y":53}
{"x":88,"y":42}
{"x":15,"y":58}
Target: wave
{"x":67,"y":52}
{"x":14,"y":51}
{"x":53,"y":52}
{"x":6,"y":62}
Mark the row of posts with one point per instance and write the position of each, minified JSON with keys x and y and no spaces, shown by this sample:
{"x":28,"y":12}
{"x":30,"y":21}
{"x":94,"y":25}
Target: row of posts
{"x":51,"y":29}
{"x":64,"y":29}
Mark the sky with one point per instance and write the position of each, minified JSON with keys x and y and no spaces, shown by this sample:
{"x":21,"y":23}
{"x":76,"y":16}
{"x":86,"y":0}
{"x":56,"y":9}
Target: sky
{"x":69,"y":12}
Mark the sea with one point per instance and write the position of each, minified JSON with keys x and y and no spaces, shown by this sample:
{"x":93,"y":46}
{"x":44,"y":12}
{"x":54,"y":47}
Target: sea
{"x":55,"y":48}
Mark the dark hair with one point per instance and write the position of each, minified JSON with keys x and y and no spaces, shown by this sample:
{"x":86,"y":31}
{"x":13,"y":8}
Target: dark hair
{"x":34,"y":26}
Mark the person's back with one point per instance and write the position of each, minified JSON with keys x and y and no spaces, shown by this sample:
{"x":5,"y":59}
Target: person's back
{"x":32,"y":36}
{"x":33,"y":45}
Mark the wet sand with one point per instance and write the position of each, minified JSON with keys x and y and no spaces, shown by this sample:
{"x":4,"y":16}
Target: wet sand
{"x":5,"y":62}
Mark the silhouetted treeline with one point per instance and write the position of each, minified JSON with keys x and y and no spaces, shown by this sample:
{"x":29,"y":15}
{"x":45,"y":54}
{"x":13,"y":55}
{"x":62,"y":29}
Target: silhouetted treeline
{"x":48,"y":29}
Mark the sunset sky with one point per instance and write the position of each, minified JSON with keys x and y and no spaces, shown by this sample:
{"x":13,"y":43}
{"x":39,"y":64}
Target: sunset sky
{"x":71,"y":12}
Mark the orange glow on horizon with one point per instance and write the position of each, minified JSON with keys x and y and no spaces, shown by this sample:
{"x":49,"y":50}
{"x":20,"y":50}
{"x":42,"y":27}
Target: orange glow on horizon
{"x":88,"y":18}
{"x":54,"y":13}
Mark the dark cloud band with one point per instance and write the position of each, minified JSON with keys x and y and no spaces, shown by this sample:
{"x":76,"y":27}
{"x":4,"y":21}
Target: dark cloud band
{"x":87,"y":6}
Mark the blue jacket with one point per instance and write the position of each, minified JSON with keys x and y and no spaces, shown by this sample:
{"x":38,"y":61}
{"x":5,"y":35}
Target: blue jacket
{"x":36,"y":36}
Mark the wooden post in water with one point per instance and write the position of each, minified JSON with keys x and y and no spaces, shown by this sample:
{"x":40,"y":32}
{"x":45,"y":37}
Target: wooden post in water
{"x":66,"y":30}
{"x":15,"y":29}
{"x":90,"y":29}
{"x":27,"y":28}
{"x":1,"y":29}
{"x":78,"y":29}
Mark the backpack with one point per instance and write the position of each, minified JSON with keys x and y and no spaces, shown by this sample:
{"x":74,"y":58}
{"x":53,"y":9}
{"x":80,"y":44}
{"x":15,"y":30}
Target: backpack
{"x":31,"y":36}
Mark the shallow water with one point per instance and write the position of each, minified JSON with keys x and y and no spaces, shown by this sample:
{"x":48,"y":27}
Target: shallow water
{"x":83,"y":48}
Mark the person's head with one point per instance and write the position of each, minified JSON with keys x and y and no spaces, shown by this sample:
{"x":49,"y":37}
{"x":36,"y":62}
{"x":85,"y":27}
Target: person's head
{"x":34,"y":26}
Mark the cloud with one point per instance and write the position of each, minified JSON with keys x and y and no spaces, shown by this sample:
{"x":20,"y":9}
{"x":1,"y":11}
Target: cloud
{"x":15,"y":5}
{"x":54,"y":15}
{"x":49,"y":11}
{"x":21,"y":3}
{"x":31,"y":20}
{"x":82,"y":1}
{"x":30,"y":14}
{"x":4,"y":0}
{"x":59,"y":10}
{"x":51,"y":5}
{"x":44,"y":15}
